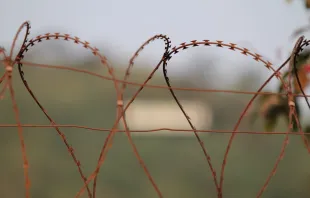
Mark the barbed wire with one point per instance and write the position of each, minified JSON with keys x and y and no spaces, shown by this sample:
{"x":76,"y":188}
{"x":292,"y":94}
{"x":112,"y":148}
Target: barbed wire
{"x":121,"y":84}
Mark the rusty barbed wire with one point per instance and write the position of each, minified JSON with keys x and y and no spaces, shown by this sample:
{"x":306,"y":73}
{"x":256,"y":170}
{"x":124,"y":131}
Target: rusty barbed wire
{"x":120,"y":86}
{"x":61,"y":67}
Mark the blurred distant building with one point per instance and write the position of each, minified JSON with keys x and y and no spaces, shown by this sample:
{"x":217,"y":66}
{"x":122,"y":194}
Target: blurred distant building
{"x":146,"y":114}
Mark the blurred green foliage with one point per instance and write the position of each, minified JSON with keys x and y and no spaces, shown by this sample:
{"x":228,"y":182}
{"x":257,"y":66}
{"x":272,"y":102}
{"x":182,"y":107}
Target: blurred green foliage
{"x":176,"y":163}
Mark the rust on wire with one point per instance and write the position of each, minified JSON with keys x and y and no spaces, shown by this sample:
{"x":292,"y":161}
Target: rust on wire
{"x":121,"y":84}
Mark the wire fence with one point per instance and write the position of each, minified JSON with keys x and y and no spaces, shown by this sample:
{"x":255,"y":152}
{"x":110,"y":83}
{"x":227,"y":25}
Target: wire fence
{"x":287,"y":92}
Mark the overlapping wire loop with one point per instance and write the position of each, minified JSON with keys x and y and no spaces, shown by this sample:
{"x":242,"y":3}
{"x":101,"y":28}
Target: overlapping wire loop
{"x":120,"y":86}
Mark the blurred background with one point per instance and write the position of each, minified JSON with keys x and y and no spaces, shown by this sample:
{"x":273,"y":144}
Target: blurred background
{"x":174,"y":159}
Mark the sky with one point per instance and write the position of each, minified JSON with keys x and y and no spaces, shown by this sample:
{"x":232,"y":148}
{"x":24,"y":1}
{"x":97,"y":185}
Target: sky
{"x":122,"y":26}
